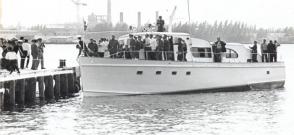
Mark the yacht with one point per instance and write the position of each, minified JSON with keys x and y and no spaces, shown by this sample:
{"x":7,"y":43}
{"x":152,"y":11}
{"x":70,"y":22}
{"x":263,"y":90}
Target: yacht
{"x":198,"y":73}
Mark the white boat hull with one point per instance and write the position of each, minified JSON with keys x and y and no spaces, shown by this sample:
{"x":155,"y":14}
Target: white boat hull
{"x":102,"y":77}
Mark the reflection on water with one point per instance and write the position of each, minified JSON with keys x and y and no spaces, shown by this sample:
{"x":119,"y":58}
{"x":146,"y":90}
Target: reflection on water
{"x":230,"y":113}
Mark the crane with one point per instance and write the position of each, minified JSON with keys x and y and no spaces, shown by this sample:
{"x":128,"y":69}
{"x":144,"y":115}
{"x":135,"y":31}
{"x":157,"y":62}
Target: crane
{"x":78,"y":4}
{"x":171,"y":17}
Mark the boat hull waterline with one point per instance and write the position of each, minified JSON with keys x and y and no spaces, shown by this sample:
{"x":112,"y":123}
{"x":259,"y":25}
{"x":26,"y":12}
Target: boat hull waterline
{"x":104,"y":77}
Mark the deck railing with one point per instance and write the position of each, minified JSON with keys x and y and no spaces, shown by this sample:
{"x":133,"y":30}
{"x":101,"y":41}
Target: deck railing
{"x":194,"y":56}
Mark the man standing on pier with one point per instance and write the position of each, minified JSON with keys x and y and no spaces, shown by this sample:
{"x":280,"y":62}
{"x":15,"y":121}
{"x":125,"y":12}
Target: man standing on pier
{"x":26,"y":51}
{"x":41,"y":47}
{"x":35,"y":54}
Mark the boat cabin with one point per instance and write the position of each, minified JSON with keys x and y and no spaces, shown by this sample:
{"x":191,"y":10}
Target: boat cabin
{"x":198,"y":50}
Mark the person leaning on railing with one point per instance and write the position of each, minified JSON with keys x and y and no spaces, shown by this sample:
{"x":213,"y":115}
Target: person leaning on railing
{"x":254,"y":52}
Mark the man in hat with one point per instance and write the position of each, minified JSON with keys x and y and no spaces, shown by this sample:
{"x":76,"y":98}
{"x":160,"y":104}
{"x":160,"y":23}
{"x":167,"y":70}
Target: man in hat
{"x":35,"y":54}
{"x":41,"y":47}
{"x":26,"y":51}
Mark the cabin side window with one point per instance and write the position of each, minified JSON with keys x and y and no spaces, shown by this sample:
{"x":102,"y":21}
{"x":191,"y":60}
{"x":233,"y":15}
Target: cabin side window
{"x":230,"y":53}
{"x":201,"y":52}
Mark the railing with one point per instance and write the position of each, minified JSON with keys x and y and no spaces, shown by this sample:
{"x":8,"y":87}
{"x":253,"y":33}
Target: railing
{"x":195,"y":56}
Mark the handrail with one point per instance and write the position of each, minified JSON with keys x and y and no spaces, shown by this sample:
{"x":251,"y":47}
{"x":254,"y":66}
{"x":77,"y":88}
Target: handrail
{"x":164,"y":56}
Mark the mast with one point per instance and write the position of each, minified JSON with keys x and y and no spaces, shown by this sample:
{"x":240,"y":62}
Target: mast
{"x":188,"y":3}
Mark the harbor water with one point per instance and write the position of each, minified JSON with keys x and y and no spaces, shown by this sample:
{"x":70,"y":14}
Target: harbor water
{"x":263,"y":112}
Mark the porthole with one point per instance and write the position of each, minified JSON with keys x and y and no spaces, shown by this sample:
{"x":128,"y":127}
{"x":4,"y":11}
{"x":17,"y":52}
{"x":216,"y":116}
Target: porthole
{"x":268,"y":72}
{"x":174,"y":73}
{"x":188,"y":73}
{"x":139,"y":72}
{"x":158,"y":72}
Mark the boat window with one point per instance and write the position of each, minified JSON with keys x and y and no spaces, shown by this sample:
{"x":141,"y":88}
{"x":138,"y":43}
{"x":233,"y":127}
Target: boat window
{"x":139,"y":72}
{"x":188,"y":73}
{"x":231,"y":53}
{"x":201,"y":52}
{"x":174,"y":73}
{"x":158,"y":72}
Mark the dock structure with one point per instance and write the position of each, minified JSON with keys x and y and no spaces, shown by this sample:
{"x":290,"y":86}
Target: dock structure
{"x":30,"y":86}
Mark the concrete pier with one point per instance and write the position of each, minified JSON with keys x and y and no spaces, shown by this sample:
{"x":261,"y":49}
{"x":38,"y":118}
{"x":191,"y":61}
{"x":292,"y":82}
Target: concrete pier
{"x":20,"y":89}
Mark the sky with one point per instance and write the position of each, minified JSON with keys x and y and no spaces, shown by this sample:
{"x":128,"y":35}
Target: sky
{"x":262,"y":13}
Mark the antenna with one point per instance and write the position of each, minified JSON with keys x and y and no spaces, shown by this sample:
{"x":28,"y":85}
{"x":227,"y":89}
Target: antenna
{"x":188,"y":2}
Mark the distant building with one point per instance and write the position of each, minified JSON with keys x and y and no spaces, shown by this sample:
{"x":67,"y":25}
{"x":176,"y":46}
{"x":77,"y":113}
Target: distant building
{"x":94,"y":19}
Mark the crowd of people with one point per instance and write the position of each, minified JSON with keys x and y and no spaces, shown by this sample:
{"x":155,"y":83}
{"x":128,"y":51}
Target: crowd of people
{"x":149,"y":47}
{"x":268,"y":51}
{"x":10,"y":49}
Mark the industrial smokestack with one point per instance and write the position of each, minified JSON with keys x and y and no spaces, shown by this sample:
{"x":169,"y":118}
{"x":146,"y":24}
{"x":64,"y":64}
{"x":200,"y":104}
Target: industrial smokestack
{"x":156,"y":16}
{"x":109,"y":11}
{"x":121,"y":17}
{"x":139,"y":20}
{"x":1,"y":13}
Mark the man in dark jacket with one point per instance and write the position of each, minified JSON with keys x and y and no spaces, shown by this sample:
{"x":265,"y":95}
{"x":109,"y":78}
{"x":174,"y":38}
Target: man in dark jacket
{"x":254,"y":52}
{"x":132,"y":45}
{"x":166,"y":47}
{"x":35,"y":54}
{"x":220,"y":50}
{"x":113,"y":47}
{"x":80,"y":45}
{"x":41,"y":47}
{"x":271,"y":48}
{"x":160,"y":24}
{"x":93,"y":48}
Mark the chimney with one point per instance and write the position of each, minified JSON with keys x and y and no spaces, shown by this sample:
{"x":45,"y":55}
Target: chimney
{"x":121,"y":17}
{"x":139,"y":20}
{"x":109,"y":11}
{"x":1,"y":14}
{"x":156,"y":16}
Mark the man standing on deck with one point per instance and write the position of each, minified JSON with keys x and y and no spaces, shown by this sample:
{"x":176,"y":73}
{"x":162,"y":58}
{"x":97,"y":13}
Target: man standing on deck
{"x":220,"y":49}
{"x":147,"y":47}
{"x":113,"y":47}
{"x":277,"y":44}
{"x":263,"y":48}
{"x":153,"y":46}
{"x":160,"y":24}
{"x":80,"y":45}
{"x":166,"y":47}
{"x":271,"y":49}
{"x":41,"y":47}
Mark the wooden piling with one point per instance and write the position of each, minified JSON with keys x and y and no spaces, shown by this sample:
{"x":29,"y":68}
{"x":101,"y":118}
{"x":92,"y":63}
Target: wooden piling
{"x":41,"y":88}
{"x":64,"y":86}
{"x":11,"y":94}
{"x":56,"y":87}
{"x":49,"y":90}
{"x":20,"y":92}
{"x":30,"y":93}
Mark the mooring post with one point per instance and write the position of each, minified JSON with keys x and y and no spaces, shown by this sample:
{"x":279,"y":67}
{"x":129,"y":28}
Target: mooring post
{"x":12,"y":93}
{"x":71,"y":84}
{"x":41,"y":88}
{"x":64,"y":85}
{"x":49,"y":90}
{"x":57,"y":87}
{"x":30,"y":94}
{"x":20,"y":88}
{"x":1,"y":96}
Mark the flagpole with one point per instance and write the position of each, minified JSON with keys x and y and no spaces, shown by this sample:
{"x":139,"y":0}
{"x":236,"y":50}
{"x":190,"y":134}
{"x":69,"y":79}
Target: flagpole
{"x":188,"y":2}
